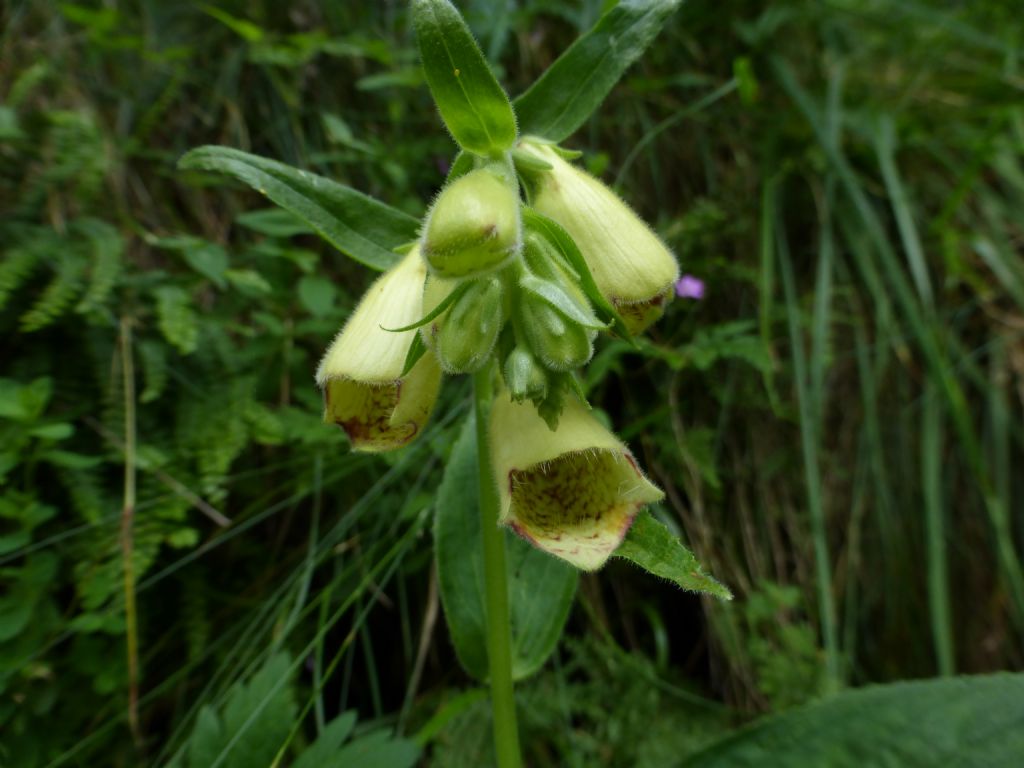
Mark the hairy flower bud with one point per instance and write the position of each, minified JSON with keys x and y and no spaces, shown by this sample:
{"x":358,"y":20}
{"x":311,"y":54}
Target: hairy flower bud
{"x":524,"y":376}
{"x":473,"y":226}
{"x":560,"y":342}
{"x":361,"y":373}
{"x":573,"y":492}
{"x":631,"y":266}
{"x":470,"y":328}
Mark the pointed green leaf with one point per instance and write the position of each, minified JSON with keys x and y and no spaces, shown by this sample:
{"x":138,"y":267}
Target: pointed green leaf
{"x":966,"y":721}
{"x":437,"y":311}
{"x":652,"y":546}
{"x":376,"y":749}
{"x":574,"y":86}
{"x":416,"y":350}
{"x":472,"y":103}
{"x":556,"y":296}
{"x":321,"y":752}
{"x":359,"y":226}
{"x":541,"y":587}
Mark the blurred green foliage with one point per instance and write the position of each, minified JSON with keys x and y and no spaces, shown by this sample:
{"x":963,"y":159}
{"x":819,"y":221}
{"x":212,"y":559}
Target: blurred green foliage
{"x":836,"y":424}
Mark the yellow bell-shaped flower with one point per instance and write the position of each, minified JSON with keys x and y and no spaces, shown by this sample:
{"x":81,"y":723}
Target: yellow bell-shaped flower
{"x":361,"y":374}
{"x":572,"y":492}
{"x":633,"y":269}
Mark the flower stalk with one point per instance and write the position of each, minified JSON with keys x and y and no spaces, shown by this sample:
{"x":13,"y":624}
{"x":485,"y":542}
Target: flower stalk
{"x":499,"y":630}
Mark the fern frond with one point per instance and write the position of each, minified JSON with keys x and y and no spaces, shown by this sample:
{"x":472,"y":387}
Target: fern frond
{"x":153,"y":357}
{"x":15,"y":268}
{"x":105,"y":248}
{"x":58,"y":295}
{"x":177,"y":319}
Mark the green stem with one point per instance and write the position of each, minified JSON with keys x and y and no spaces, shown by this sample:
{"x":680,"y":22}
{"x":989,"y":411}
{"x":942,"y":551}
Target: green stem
{"x":499,"y":636}
{"x":127,"y":524}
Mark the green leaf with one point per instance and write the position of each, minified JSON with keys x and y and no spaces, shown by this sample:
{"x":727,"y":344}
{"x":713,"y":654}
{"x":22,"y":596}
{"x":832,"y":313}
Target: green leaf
{"x":377,"y":749}
{"x":654,"y":548}
{"x":274,"y":222}
{"x":246,"y":30}
{"x":254,"y":723}
{"x":320,"y":752}
{"x":359,"y":226}
{"x":437,"y":311}
{"x":416,"y":350}
{"x":317,"y":294}
{"x":208,"y":259}
{"x":59,"y":431}
{"x":965,"y":721}
{"x":575,"y":85}
{"x":471,"y":102}
{"x":541,"y":588}
{"x":558,"y":298}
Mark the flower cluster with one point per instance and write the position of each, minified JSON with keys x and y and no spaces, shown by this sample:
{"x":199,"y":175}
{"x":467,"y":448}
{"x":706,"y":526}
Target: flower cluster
{"x":528,"y":284}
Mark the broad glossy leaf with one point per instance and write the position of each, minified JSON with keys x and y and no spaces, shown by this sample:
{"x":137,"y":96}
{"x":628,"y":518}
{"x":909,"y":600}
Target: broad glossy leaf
{"x":541,"y":588}
{"x":963,"y":721}
{"x":471,"y":102}
{"x":359,"y":226}
{"x":654,"y":548}
{"x":574,"y":86}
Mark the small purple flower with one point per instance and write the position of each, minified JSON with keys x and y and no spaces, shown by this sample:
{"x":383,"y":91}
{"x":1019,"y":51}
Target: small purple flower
{"x":690,"y":287}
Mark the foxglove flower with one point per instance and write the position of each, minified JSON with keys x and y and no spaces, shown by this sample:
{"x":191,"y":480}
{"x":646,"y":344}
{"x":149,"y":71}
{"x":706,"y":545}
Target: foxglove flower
{"x":572,"y":492}
{"x":361,"y":374}
{"x":633,"y":269}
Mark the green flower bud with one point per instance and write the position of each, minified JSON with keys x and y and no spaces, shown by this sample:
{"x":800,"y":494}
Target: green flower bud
{"x":560,"y":342}
{"x":473,"y":227}
{"x":471,"y":327}
{"x":361,"y":374}
{"x":572,"y":492}
{"x":524,"y":376}
{"x":631,"y":266}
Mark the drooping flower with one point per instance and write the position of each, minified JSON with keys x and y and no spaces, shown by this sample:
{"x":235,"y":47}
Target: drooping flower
{"x":633,"y":269}
{"x":572,"y":492}
{"x":361,"y":373}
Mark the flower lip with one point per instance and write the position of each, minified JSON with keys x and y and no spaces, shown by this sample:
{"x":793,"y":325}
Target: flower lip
{"x":573,"y":492}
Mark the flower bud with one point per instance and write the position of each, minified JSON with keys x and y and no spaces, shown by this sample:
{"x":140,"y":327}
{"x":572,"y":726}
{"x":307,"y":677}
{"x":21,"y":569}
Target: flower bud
{"x":573,"y":492}
{"x":473,"y":227}
{"x":631,"y":266}
{"x":561,"y":343}
{"x":470,"y":328}
{"x":361,"y":374}
{"x":524,"y":376}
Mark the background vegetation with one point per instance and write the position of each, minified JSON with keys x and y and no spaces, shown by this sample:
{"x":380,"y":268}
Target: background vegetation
{"x":836,"y":424}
